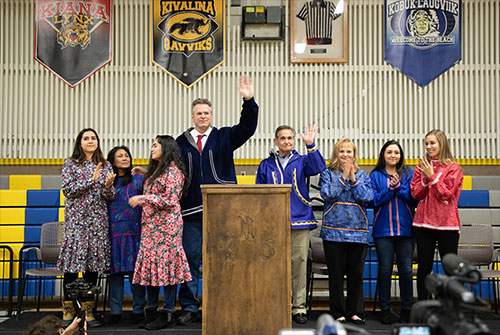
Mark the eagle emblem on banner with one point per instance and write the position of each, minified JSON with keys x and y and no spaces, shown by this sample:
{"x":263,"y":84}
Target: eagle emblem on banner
{"x":423,"y":37}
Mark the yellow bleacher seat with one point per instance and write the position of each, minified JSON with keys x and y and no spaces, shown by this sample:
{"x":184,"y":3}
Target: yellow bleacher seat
{"x":245,"y":179}
{"x":25,"y":182}
{"x":467,"y":183}
{"x":61,"y":214}
{"x":5,"y":270}
{"x":12,"y":233}
{"x":12,"y":216}
{"x":12,"y":198}
{"x":61,"y":197}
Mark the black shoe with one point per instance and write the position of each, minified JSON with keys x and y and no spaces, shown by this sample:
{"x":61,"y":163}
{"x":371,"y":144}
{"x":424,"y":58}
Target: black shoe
{"x":93,"y":323}
{"x":404,"y":317}
{"x":150,"y":315}
{"x":137,"y":318}
{"x":357,"y":321}
{"x":165,"y":319}
{"x":186,"y":318}
{"x":300,"y":318}
{"x":385,"y":317}
{"x":114,"y":319}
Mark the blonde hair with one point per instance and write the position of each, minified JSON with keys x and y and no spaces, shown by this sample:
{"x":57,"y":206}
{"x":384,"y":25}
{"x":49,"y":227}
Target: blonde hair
{"x":334,"y":159}
{"x":444,"y":155}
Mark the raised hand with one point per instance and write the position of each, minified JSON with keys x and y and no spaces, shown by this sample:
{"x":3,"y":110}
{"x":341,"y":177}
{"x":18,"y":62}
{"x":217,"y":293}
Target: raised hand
{"x":97,"y":172}
{"x":310,"y":134}
{"x":426,"y":167}
{"x":245,"y":87}
{"x":139,"y":170}
{"x":110,"y":178}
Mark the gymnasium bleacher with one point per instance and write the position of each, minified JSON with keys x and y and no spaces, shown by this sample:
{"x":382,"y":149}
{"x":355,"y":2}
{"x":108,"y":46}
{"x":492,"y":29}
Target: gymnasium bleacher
{"x":27,"y":201}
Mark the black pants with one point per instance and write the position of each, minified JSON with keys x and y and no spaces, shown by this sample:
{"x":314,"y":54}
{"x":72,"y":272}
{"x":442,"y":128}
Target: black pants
{"x":69,"y":277}
{"x":426,"y":245}
{"x":345,"y":259}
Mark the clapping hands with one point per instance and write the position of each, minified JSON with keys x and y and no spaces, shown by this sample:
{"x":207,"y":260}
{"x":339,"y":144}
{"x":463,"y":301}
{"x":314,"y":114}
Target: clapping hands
{"x":110,"y":177}
{"x":426,"y":167}
{"x":394,"y":181}
{"x":348,"y":169}
{"x":97,"y":171}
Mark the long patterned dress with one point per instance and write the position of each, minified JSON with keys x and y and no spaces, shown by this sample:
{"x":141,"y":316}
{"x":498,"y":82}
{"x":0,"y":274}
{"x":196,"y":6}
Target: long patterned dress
{"x":161,"y":260}
{"x":125,"y":226}
{"x":85,"y":244}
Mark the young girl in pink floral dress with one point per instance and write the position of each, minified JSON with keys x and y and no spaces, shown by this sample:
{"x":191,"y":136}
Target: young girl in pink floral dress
{"x":161,"y":260}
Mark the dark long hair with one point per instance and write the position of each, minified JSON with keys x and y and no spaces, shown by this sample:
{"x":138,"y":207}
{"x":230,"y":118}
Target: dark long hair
{"x":170,"y":152}
{"x":78,"y":154}
{"x":127,"y":178}
{"x":50,"y":324}
{"x":401,"y":167}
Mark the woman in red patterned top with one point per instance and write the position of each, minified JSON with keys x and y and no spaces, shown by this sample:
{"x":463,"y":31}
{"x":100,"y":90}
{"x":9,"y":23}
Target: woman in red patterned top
{"x":161,"y":260}
{"x":437,"y":184}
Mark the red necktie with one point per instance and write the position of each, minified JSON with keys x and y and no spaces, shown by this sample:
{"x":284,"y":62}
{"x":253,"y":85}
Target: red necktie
{"x":198,"y":143}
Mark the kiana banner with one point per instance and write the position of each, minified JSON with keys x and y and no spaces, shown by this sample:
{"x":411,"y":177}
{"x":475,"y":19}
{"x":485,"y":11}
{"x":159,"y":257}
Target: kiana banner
{"x":73,"y":37}
{"x":423,"y":38}
{"x":187,"y":37}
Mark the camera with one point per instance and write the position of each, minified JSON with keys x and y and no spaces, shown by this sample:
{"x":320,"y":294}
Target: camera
{"x":79,"y":291}
{"x":445,"y":315}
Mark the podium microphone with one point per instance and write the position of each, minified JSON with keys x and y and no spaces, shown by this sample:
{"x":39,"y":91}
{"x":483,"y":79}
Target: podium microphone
{"x":455,"y":265}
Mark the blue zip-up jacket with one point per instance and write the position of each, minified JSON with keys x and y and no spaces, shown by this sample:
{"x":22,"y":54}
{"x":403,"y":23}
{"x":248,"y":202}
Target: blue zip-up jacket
{"x":215,"y":164}
{"x":394,"y":208}
{"x":344,"y":218}
{"x":299,"y":167}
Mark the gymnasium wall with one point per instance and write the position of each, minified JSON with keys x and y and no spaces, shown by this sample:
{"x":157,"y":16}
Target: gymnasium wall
{"x":130,"y":100}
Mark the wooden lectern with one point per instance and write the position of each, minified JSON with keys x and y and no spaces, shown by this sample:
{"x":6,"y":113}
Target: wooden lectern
{"x":246,"y":259}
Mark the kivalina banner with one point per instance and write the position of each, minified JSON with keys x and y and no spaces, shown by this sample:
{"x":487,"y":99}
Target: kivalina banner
{"x":73,"y":37}
{"x":187,"y":37}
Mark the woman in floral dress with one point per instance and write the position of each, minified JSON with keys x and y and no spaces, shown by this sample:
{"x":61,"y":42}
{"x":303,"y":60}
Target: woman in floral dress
{"x":87,"y":182}
{"x":161,"y":260}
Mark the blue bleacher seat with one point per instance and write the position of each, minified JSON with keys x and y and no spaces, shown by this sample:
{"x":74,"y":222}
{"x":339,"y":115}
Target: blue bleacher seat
{"x":43,"y":198}
{"x":474,"y":198}
{"x":40,"y":215}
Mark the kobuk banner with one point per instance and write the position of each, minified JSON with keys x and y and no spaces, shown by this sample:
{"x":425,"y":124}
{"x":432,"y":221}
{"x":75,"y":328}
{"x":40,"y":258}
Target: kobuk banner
{"x":423,"y":37}
{"x":187,"y":37}
{"x":73,"y":37}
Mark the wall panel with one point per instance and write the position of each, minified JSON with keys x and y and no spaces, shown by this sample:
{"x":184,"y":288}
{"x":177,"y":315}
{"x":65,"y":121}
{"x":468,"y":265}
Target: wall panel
{"x":130,"y":100}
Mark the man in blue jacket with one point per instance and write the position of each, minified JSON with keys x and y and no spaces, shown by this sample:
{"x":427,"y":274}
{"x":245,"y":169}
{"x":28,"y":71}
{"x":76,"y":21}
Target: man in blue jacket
{"x":208,"y":154}
{"x":286,"y":166}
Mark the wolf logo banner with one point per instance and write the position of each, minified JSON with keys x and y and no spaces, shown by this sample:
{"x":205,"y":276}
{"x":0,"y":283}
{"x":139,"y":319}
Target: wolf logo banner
{"x":73,"y":37}
{"x":423,"y":37}
{"x":187,"y":37}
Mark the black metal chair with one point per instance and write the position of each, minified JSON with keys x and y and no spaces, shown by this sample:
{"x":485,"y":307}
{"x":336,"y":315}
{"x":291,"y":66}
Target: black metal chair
{"x":476,"y":246}
{"x":47,"y":254}
{"x":316,"y":265}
